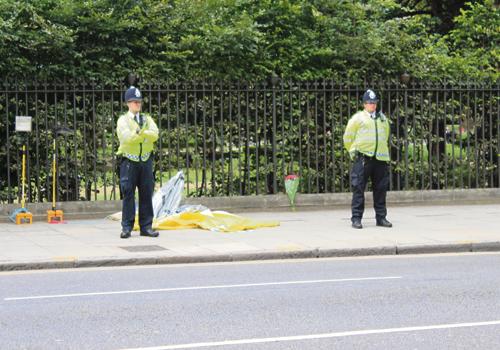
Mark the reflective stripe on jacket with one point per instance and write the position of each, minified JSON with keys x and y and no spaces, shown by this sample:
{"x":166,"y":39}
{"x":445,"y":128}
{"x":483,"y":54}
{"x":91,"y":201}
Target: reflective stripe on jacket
{"x":367,"y":135}
{"x":133,"y":144}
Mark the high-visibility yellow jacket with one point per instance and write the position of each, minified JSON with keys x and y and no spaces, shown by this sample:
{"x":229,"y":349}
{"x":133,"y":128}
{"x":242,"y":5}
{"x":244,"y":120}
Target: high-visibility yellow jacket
{"x":367,"y":135}
{"x":136,"y":143}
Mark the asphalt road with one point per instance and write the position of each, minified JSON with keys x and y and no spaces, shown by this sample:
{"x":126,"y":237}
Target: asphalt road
{"x":406,"y":302}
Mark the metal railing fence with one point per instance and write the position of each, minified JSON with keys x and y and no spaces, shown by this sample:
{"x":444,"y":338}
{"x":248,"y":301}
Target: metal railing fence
{"x":244,"y":138}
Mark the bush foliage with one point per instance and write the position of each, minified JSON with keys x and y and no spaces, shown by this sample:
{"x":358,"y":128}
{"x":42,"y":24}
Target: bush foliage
{"x":246,"y":39}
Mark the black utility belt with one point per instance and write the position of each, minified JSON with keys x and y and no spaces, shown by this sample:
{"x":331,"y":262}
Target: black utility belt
{"x":362,"y":155}
{"x":125,"y":159}
{"x":366,"y":158}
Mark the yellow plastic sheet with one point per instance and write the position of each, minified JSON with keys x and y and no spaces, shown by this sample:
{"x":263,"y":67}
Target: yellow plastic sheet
{"x":215,"y":221}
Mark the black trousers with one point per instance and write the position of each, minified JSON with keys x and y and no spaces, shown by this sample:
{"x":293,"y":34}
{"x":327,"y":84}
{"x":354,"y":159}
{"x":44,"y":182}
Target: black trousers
{"x":137,"y":175}
{"x":363,"y":169}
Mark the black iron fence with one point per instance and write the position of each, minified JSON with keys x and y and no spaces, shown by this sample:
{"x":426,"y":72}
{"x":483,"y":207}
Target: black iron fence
{"x":243,"y":138}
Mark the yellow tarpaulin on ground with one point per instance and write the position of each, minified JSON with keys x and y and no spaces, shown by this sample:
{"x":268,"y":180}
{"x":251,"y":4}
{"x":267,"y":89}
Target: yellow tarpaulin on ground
{"x":208,"y":220}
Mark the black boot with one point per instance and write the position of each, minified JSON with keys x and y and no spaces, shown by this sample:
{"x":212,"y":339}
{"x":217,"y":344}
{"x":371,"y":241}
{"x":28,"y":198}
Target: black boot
{"x":356,"y":223}
{"x":384,"y":222}
{"x":150,"y":233}
{"x":125,"y":234}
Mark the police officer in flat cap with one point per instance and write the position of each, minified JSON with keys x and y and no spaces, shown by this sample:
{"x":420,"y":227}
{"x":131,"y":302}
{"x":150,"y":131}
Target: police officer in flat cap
{"x":366,"y":138}
{"x":137,"y":133}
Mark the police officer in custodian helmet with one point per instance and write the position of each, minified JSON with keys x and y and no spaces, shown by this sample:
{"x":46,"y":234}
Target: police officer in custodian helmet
{"x":137,"y":133}
{"x":366,"y":138}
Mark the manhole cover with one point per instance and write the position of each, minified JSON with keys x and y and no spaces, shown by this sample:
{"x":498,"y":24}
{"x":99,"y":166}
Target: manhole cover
{"x":143,"y":248}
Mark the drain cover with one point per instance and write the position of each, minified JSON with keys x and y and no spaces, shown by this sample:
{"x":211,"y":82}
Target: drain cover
{"x":143,"y":248}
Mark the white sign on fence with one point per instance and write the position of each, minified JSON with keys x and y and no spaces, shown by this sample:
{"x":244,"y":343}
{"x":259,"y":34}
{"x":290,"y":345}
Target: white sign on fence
{"x":23,"y":123}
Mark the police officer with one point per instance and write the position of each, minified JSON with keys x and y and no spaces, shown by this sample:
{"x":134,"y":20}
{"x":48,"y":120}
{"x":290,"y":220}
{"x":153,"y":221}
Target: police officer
{"x":137,"y":133}
{"x":366,"y":138}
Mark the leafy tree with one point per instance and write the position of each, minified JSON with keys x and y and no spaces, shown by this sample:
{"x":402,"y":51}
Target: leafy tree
{"x":470,"y":51}
{"x":248,"y":39}
{"x":30,"y":42}
{"x":443,"y":11}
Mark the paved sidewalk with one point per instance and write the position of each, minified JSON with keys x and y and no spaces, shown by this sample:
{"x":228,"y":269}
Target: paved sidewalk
{"x":302,"y":234}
